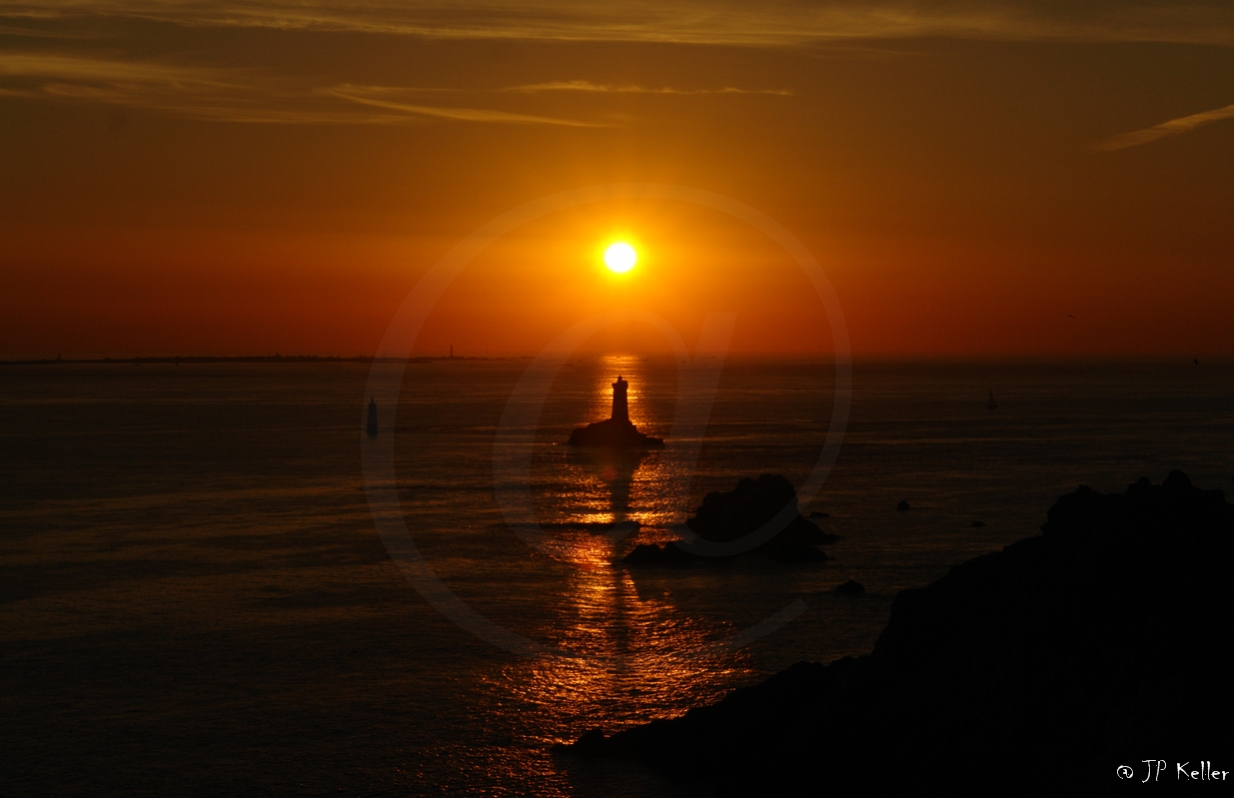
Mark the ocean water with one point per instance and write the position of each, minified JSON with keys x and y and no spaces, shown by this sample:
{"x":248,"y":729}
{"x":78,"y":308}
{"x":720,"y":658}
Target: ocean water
{"x":196,"y":600}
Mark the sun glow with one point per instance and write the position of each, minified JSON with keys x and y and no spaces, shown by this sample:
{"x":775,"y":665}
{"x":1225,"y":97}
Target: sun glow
{"x":620,"y":257}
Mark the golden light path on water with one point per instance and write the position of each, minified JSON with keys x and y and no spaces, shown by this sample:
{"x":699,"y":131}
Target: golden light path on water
{"x":635,"y":655}
{"x":597,"y":489}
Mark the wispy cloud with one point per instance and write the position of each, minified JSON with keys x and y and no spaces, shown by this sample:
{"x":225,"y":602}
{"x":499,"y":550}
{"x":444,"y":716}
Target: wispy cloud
{"x":42,"y":33}
{"x":239,"y":95}
{"x":1172,"y":127}
{"x":232,"y":95}
{"x":737,"y":22}
{"x":217,"y":108}
{"x":588,"y":86}
{"x":386,"y":97}
{"x":101,"y":70}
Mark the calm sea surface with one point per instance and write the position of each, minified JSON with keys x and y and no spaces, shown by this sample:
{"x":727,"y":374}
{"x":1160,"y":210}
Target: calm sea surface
{"x":195,"y":598}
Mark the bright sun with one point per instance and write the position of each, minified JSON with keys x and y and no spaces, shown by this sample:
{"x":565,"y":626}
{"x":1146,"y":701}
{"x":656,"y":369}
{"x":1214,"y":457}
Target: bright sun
{"x":620,"y":257}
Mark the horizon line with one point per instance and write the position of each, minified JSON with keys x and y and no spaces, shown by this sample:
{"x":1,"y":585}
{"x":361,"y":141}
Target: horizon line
{"x":278,"y":358}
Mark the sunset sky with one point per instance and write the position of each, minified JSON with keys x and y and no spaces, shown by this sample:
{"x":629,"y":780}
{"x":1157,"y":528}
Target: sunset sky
{"x":975,"y":178}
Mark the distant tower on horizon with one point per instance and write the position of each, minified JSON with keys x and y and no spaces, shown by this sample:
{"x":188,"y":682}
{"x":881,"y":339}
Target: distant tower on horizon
{"x":620,"y":411}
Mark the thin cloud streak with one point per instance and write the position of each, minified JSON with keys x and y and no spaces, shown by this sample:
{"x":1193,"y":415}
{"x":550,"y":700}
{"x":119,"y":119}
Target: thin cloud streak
{"x":230,"y":95}
{"x":38,"y":33}
{"x":371,"y":96}
{"x":101,"y":70}
{"x":588,"y":86}
{"x":219,"y":110}
{"x":1172,"y":127}
{"x":789,"y":23}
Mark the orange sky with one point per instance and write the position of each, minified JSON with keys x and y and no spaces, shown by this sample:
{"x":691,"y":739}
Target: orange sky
{"x":981,"y":179}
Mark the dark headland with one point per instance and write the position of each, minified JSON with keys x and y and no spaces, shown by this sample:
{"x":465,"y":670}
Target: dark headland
{"x":1103,"y":642}
{"x":617,"y":433}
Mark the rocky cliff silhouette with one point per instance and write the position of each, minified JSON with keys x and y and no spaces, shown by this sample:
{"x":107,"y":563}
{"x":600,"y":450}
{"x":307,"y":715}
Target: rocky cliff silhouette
{"x":1039,"y":670}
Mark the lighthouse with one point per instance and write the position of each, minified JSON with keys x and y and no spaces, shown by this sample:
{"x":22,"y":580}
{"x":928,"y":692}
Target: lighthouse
{"x":618,"y":432}
{"x":620,"y":410}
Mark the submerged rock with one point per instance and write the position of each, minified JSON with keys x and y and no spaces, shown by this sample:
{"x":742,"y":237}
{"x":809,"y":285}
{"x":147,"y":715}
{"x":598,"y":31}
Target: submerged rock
{"x":656,"y":554}
{"x":644,"y":554}
{"x":850,"y":587}
{"x":903,"y":505}
{"x":1037,"y":670}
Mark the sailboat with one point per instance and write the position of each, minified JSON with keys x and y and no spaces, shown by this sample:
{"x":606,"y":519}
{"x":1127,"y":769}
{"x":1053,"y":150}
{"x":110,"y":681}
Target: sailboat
{"x":371,"y":428}
{"x":990,"y":400}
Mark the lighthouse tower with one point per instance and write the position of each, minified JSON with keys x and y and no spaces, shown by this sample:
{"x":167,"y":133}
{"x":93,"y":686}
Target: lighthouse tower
{"x":620,"y":411}
{"x":618,"y":433}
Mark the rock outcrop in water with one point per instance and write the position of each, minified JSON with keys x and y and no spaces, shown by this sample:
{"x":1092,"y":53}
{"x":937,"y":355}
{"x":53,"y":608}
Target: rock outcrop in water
{"x":670,"y":553}
{"x":1038,"y":670}
{"x":730,"y":516}
{"x":617,"y":433}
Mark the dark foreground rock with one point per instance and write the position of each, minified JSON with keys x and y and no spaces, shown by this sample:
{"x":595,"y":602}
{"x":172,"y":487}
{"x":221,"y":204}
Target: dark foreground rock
{"x":1038,"y":670}
{"x":730,"y":516}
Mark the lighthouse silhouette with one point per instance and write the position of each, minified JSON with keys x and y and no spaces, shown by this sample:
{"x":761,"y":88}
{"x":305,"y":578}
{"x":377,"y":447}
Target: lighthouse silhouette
{"x":620,"y":411}
{"x":617,"y":432}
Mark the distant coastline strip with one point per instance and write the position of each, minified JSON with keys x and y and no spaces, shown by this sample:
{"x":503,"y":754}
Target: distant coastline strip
{"x":275,"y":359}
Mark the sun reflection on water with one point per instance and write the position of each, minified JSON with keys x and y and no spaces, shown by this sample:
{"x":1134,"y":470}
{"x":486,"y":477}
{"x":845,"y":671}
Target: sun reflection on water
{"x":633,"y":655}
{"x":592,"y":489}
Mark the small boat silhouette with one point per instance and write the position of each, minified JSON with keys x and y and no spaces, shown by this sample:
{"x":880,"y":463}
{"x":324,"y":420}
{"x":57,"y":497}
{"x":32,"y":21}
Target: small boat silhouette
{"x":371,"y":428}
{"x":990,"y":400}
